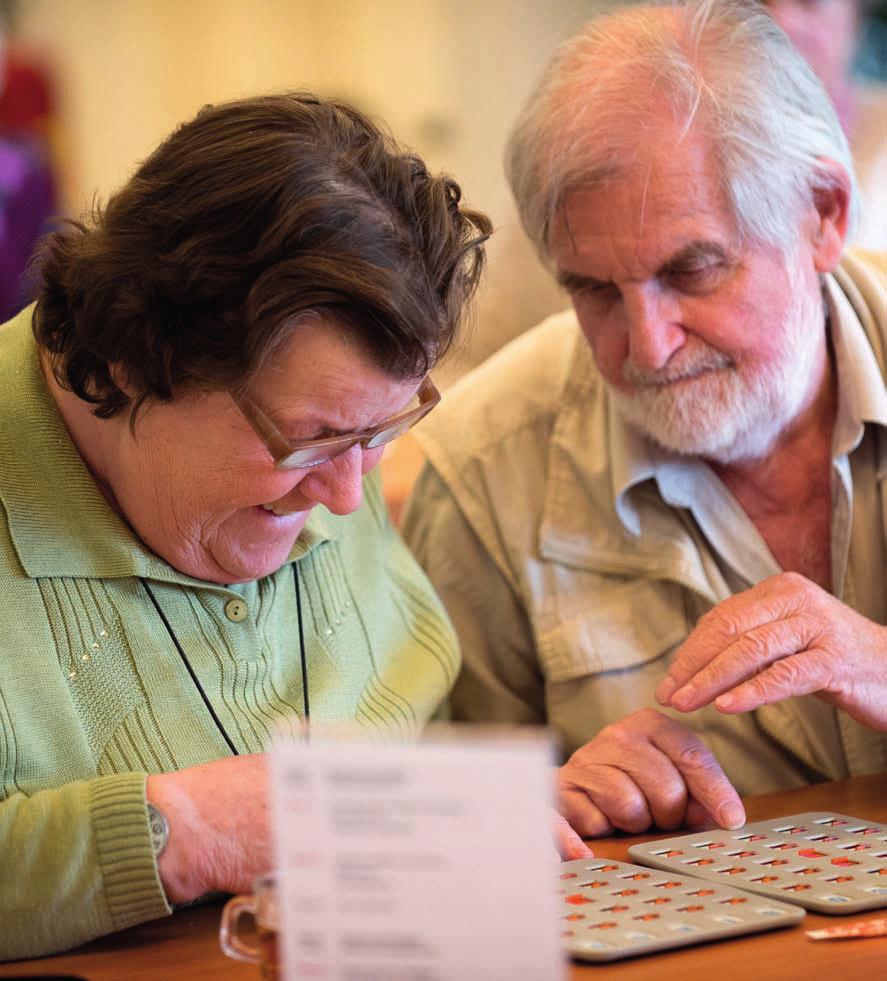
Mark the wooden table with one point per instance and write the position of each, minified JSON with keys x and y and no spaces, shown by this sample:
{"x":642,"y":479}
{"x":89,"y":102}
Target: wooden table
{"x":185,"y":947}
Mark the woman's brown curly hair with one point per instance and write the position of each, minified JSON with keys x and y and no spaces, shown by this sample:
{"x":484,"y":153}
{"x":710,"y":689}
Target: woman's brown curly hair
{"x":254,"y":212}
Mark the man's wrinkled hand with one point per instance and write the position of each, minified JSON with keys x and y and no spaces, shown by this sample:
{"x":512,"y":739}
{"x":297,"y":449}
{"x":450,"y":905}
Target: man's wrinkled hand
{"x":645,"y":770}
{"x":784,"y":637}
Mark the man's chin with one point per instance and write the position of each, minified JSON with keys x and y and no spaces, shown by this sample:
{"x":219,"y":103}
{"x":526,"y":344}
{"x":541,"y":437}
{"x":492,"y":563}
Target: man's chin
{"x":724,"y":449}
{"x":696,"y":438}
{"x":681,"y":426}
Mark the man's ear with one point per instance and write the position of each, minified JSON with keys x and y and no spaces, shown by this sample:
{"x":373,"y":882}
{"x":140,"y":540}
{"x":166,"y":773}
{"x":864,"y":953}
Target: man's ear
{"x":831,"y":200}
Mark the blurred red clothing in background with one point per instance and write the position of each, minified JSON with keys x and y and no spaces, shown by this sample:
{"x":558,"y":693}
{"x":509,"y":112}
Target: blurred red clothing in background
{"x":27,"y":184}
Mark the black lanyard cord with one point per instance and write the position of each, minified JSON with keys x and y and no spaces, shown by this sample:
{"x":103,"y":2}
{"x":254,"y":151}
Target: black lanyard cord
{"x":197,"y":684}
{"x":303,"y":661}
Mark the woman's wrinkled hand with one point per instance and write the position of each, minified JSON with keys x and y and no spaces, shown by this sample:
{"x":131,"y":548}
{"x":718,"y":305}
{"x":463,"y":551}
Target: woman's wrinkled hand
{"x":219,"y":826}
{"x":569,"y":845}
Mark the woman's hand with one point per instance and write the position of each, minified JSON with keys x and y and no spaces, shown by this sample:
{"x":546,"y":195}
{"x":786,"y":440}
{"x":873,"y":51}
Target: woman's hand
{"x":645,"y":769}
{"x":569,"y":844}
{"x":784,"y":637}
{"x":219,"y":826}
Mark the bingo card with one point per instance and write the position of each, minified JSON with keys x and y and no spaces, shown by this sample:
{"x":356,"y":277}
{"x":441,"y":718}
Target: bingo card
{"x":611,"y":909}
{"x":830,"y":863}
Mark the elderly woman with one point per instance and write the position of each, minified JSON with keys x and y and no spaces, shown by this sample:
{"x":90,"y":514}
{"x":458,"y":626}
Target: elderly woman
{"x":224,"y":347}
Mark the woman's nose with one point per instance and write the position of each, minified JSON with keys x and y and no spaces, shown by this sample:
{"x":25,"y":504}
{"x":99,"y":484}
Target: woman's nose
{"x":337,"y":484}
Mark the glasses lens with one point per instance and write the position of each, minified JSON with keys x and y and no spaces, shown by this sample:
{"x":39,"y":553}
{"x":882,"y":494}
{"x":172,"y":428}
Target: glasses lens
{"x":400,"y":426}
{"x":313,"y":456}
{"x":305,"y":457}
{"x":386,"y":435}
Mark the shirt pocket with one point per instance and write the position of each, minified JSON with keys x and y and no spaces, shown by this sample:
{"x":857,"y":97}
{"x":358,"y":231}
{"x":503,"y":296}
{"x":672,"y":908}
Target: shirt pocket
{"x":609,"y":626}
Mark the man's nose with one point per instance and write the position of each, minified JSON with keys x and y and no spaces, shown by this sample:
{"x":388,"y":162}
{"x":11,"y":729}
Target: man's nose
{"x":337,"y":484}
{"x":653,"y":325}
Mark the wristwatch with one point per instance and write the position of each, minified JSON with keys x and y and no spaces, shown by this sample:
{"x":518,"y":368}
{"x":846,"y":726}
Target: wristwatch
{"x":159,"y":828}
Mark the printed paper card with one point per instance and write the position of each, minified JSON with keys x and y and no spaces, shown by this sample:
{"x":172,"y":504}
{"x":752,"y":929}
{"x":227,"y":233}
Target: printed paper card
{"x":386,"y":854}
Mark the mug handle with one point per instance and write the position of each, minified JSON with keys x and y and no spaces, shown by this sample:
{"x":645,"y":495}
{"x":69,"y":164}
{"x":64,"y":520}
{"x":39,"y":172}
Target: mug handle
{"x":229,"y":938}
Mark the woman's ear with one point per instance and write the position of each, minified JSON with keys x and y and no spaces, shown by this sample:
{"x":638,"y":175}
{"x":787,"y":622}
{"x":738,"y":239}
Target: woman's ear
{"x":831,"y":200}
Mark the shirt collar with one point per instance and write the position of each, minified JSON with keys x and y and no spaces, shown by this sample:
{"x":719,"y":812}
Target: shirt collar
{"x":59,"y":522}
{"x":862,"y":396}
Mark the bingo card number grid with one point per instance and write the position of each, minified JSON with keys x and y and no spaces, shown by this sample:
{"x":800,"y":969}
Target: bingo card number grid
{"x":827,"y":862}
{"x":611,"y":910}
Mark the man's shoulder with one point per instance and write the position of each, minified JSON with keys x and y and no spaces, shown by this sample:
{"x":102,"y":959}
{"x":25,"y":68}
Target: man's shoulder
{"x":862,"y":275}
{"x":523,"y":371}
{"x":866,"y":262}
{"x":522,"y":385}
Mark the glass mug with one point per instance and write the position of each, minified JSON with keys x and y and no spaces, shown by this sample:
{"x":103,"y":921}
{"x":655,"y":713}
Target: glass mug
{"x":262,"y":905}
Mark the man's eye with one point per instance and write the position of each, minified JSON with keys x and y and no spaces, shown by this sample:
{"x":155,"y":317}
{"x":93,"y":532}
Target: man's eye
{"x":697,"y":277}
{"x":596,"y":291}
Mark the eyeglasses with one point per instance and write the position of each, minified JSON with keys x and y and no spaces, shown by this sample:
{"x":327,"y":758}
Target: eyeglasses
{"x":299,"y":454}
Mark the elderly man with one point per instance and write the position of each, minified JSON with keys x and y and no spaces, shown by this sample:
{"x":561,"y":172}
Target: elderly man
{"x":659,"y":520}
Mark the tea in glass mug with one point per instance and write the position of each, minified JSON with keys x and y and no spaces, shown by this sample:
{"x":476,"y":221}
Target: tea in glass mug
{"x":262,"y":904}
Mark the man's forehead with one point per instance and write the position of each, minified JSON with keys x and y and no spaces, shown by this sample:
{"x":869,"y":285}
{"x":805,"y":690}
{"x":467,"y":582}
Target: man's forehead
{"x":657,"y":206}
{"x":608,"y":252}
{"x":627,"y":208}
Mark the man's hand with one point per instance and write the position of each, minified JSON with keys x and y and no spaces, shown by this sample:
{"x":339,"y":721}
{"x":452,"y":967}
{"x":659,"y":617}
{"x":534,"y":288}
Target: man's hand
{"x":786,"y":636}
{"x":219,"y":836}
{"x":646,"y":769}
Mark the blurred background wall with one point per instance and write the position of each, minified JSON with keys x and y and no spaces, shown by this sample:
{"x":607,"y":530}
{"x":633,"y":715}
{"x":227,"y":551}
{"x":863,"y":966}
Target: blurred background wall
{"x":447,"y":76}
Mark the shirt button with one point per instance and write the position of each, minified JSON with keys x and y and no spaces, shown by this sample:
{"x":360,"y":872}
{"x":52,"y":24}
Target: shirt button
{"x":236,"y":610}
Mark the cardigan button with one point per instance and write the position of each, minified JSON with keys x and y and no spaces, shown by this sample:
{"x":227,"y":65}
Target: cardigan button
{"x":236,"y":610}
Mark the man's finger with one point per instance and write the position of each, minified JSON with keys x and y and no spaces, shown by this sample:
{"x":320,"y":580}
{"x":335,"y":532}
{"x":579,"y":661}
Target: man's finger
{"x":744,"y":659}
{"x":802,"y":674}
{"x":706,"y":781}
{"x":696,"y":816}
{"x":619,"y":796}
{"x":776,"y":600}
{"x":583,"y":814}
{"x":713,"y":634}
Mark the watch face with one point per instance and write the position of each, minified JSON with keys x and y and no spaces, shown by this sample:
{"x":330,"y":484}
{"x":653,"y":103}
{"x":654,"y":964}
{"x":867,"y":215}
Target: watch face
{"x":159,"y":829}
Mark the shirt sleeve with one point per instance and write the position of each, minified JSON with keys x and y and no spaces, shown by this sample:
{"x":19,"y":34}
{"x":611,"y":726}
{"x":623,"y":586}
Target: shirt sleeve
{"x":76,"y":862}
{"x":500,"y":680}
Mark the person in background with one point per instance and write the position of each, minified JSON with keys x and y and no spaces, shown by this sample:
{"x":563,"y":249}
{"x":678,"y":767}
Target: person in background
{"x":826,"y":32}
{"x":194,"y":548}
{"x":657,"y":520}
{"x":27,"y":182}
{"x":27,"y":203}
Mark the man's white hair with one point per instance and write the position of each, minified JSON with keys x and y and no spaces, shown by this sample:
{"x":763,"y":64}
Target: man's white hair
{"x":722,"y":65}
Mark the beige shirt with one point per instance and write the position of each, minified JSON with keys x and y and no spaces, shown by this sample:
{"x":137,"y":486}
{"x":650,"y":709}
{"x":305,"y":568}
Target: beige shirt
{"x":869,"y":146}
{"x":574,"y":556}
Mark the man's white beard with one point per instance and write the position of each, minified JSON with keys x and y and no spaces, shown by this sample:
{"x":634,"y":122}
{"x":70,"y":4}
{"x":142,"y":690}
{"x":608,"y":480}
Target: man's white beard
{"x":721,"y":411}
